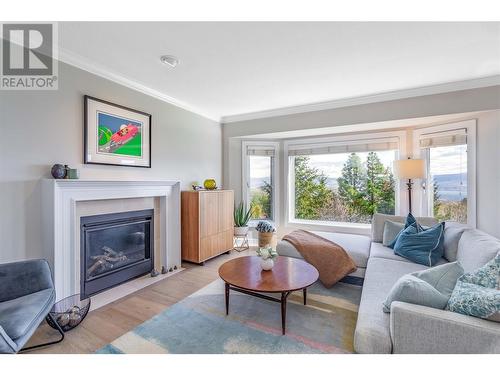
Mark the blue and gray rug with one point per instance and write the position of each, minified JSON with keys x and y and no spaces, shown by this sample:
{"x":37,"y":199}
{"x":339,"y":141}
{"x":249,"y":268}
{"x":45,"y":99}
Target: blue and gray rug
{"x":199,"y":325}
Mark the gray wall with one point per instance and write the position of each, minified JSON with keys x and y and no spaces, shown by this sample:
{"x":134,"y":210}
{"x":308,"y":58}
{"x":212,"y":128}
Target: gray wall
{"x":39,"y":129}
{"x":488,"y":138}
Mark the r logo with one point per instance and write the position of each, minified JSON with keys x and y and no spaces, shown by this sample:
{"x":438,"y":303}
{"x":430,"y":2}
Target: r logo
{"x":27,"y":49}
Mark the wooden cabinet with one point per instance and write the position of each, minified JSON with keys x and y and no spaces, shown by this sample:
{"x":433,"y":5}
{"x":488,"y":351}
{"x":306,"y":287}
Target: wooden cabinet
{"x":207,"y":224}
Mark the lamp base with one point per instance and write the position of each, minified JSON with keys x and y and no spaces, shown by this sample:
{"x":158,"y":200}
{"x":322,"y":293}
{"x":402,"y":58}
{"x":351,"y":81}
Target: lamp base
{"x":409,"y":184}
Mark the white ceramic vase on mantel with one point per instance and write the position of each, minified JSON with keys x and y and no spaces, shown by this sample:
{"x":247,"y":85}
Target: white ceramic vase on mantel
{"x":267,"y":264}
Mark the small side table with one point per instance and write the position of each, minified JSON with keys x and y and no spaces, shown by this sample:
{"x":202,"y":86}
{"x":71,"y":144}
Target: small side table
{"x":240,"y":242}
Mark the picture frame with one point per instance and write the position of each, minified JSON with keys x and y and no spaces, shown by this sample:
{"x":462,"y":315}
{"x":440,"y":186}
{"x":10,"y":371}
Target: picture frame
{"x":115,"y":134}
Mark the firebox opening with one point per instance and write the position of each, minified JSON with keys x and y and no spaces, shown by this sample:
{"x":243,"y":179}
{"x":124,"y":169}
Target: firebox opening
{"x":115,"y":248}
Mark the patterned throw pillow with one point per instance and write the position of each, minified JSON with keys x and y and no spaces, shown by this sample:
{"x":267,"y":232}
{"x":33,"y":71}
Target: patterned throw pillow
{"x":478,"y":293}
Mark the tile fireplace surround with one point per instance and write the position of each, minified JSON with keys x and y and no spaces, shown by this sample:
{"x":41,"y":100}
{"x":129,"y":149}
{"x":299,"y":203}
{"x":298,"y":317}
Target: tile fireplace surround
{"x":64,"y":201}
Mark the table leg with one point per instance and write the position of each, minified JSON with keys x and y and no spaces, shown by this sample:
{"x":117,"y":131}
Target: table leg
{"x":304,"y":292}
{"x":227,"y":299}
{"x":283,"y":312}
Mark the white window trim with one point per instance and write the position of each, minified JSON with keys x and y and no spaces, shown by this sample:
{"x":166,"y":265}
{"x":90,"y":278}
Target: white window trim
{"x":291,"y":221}
{"x":245,"y":170}
{"x":471,"y":126}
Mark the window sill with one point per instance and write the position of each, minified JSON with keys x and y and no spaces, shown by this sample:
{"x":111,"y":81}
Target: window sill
{"x":331,"y":226}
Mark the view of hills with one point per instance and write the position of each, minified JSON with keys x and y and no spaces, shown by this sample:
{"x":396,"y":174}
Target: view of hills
{"x":449,"y":185}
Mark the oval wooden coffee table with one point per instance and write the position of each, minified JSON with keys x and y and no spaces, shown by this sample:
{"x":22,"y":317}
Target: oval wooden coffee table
{"x":245,"y":275}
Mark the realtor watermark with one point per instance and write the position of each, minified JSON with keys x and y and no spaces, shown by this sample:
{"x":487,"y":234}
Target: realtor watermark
{"x":29,"y":59}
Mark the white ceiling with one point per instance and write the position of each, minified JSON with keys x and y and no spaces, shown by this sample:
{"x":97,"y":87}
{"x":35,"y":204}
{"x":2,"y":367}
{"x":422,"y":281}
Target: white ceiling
{"x":230,"y":69}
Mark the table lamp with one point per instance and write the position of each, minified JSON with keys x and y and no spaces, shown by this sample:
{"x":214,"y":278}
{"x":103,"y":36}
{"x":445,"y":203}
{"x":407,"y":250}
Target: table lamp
{"x":409,"y":169}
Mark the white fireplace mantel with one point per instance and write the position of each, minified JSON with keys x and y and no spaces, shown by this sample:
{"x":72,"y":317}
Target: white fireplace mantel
{"x":60,"y":222}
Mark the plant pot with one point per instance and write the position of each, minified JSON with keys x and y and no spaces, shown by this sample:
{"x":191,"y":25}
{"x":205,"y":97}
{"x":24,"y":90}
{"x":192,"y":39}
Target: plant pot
{"x":265,"y":238}
{"x":240,"y":231}
{"x":267,"y":264}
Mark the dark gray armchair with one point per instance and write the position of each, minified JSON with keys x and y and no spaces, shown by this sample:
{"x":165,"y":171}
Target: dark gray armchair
{"x":27,"y":295}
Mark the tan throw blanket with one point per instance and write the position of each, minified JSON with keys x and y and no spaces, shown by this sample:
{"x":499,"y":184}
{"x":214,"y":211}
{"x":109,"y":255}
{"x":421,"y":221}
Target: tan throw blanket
{"x":329,"y":258}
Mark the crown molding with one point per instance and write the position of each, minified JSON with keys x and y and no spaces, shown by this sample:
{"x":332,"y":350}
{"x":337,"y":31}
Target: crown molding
{"x":80,"y":62}
{"x":91,"y":67}
{"x":374,"y":98}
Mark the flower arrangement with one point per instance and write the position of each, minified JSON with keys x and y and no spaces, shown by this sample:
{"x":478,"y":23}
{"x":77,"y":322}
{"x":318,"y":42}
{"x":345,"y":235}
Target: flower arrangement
{"x":267,"y":253}
{"x":264,"y":227}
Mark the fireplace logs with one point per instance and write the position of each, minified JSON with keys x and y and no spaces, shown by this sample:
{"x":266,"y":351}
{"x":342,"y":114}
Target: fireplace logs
{"x":105,"y":261}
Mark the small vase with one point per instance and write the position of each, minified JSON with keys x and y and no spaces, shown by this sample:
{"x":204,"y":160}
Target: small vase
{"x":267,"y":264}
{"x":265,"y":238}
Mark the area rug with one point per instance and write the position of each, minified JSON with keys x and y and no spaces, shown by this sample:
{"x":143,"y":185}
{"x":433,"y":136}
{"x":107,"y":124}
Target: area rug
{"x":198,"y":324}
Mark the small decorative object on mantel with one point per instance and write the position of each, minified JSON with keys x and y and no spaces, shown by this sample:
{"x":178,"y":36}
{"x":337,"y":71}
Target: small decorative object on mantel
{"x":116,"y":135}
{"x":58,"y":171}
{"x":73,"y":174}
{"x":154,"y":272}
{"x":267,"y":256}
{"x":266,"y":231}
{"x":163,"y":270}
{"x":210,"y":184}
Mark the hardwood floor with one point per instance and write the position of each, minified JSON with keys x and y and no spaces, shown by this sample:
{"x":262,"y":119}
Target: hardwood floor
{"x":109,"y":322}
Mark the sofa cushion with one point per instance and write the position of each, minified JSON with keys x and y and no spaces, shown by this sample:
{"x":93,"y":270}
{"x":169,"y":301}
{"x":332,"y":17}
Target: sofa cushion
{"x":378,"y":223}
{"x":22,"y":315}
{"x":378,"y":250}
{"x":421,"y":246}
{"x":476,"y":248}
{"x":372,"y":333}
{"x":432,"y":287}
{"x":452,"y":233}
{"x":357,"y":246}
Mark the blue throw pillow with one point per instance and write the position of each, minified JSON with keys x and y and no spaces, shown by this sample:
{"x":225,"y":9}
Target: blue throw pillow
{"x":424,"y":246}
{"x":410,"y":221}
{"x":478,"y":293}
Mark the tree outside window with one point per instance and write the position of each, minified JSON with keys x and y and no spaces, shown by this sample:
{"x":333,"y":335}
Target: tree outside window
{"x":344,"y":187}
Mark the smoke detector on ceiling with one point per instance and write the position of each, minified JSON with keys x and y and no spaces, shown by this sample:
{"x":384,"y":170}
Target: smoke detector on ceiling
{"x":170,"y":60}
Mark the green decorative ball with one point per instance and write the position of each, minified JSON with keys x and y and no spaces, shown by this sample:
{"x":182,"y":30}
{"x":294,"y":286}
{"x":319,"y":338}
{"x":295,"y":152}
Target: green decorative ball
{"x":210,"y":184}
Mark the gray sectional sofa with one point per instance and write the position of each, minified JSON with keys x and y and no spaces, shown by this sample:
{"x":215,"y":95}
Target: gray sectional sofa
{"x":411,"y":328}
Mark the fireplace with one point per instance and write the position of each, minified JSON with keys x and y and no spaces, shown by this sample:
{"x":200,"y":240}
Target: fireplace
{"x":115,"y":248}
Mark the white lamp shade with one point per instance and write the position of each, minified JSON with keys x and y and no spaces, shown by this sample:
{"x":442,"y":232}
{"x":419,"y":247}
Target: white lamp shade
{"x":407,"y":169}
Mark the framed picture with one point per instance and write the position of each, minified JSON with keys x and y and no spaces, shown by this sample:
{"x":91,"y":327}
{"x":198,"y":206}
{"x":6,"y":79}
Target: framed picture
{"x":116,"y":135}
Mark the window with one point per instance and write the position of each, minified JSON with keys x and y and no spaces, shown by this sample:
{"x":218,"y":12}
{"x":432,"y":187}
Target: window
{"x":343,"y":181}
{"x":259,"y":179}
{"x":447,"y":193}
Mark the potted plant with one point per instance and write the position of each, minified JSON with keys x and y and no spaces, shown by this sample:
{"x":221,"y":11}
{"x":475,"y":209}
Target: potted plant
{"x":241,"y":218}
{"x":267,"y":256}
{"x":266,"y":230}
